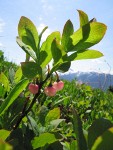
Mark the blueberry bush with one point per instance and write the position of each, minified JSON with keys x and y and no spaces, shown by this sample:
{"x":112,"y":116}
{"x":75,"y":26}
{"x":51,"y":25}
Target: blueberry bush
{"x":38,"y":110}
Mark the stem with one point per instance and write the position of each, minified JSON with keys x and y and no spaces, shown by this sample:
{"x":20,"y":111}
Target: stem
{"x":57,"y":77}
{"x":25,"y":112}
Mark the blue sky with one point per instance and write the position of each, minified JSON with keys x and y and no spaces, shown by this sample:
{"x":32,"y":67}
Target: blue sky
{"x":54,"y":14}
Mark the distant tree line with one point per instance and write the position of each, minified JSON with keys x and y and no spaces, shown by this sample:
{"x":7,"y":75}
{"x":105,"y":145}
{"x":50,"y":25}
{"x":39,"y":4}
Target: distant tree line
{"x":5,"y":65}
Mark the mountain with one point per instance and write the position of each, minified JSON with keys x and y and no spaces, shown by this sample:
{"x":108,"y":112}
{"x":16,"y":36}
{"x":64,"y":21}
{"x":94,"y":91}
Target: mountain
{"x":94,"y":79}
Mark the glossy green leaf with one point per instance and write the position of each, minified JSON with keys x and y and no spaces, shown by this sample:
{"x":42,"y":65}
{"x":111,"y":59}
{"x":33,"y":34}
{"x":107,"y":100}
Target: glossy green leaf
{"x":5,"y":146}
{"x":97,"y":129}
{"x":4,"y":80}
{"x":15,"y":92}
{"x":52,"y":115}
{"x":4,"y":134}
{"x":77,"y":127}
{"x":88,"y":35}
{"x":44,"y":139}
{"x":30,"y":69}
{"x":45,"y":52}
{"x":28,"y":33}
{"x":83,"y":17}
{"x":66,"y":41}
{"x":27,"y":49}
{"x":105,"y":141}
{"x":18,"y":75}
{"x":88,"y":54}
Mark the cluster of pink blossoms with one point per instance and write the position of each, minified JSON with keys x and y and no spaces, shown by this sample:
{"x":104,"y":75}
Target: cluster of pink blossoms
{"x":50,"y":90}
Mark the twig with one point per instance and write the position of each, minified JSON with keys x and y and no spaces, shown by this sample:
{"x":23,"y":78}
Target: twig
{"x":24,"y":111}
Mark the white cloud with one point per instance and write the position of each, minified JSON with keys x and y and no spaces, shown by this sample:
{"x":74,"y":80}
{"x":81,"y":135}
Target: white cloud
{"x":46,"y":33}
{"x":1,"y":44}
{"x":2,"y":23}
{"x":40,"y":18}
{"x":46,"y":6}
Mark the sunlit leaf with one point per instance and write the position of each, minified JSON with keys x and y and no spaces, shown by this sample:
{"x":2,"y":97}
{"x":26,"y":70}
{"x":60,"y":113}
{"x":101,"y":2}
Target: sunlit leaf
{"x":4,"y":80}
{"x":83,"y":17}
{"x":18,"y":75}
{"x":4,"y":134}
{"x":28,"y":33}
{"x":88,"y":35}
{"x":46,"y":48}
{"x":52,"y":115}
{"x":88,"y":54}
{"x":66,"y":41}
{"x":5,"y":146}
{"x":43,"y":139}
{"x":15,"y":92}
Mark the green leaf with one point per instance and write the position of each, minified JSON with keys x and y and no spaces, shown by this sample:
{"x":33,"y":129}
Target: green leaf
{"x":56,"y":122}
{"x":18,"y":75}
{"x":97,"y":129}
{"x":66,"y":41}
{"x":56,"y":51}
{"x":44,"y":139}
{"x":61,"y":67}
{"x":73,"y":145}
{"x":27,"y":49}
{"x":30,"y":69}
{"x":40,"y":36}
{"x":15,"y":92}
{"x":2,"y":91}
{"x":5,"y":146}
{"x":4,"y":134}
{"x":45,"y":52}
{"x":28,"y":33}
{"x":52,"y":115}
{"x":105,"y":141}
{"x":64,"y":67}
{"x":88,"y":54}
{"x":83,"y":17}
{"x":11,"y":74}
{"x":70,"y":57}
{"x":55,"y":146}
{"x":4,"y":80}
{"x":33,"y":124}
{"x":88,"y":35}
{"x":77,"y":127}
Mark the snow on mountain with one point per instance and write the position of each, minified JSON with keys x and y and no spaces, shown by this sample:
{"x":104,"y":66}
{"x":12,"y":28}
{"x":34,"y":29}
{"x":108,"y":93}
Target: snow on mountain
{"x":95,"y":79}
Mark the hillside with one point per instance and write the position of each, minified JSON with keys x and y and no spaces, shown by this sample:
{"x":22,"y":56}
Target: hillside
{"x":95,"y":79}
